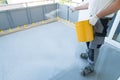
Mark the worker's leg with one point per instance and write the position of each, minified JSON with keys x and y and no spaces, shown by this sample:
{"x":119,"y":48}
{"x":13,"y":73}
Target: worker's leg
{"x":100,"y":31}
{"x":85,"y":55}
{"x":90,"y":67}
{"x":93,"y":46}
{"x":87,"y":43}
{"x":92,"y":56}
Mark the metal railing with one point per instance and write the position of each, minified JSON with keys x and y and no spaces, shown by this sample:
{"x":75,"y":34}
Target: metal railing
{"x":24,"y":14}
{"x":25,"y":4}
{"x":35,"y":3}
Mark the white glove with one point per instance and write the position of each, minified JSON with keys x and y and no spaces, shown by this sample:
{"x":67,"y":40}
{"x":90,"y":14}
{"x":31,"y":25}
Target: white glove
{"x":93,"y":20}
{"x":72,"y":9}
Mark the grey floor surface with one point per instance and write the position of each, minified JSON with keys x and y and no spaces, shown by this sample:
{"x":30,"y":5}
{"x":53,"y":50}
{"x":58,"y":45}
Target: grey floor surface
{"x":47,"y":52}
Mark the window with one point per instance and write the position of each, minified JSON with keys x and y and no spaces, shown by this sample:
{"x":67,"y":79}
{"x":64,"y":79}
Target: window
{"x":114,"y":36}
{"x":117,"y":34}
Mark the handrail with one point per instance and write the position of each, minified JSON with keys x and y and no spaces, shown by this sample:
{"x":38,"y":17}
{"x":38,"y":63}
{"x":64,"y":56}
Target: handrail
{"x":24,"y":4}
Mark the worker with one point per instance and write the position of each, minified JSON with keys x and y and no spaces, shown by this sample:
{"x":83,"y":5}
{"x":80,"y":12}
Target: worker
{"x":100,"y":13}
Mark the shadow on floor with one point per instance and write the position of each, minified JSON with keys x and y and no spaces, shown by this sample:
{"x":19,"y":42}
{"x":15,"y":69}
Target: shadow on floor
{"x":72,"y":73}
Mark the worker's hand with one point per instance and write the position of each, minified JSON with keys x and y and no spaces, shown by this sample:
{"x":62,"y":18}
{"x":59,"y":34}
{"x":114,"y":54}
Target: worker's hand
{"x":72,"y":9}
{"x":93,"y":20}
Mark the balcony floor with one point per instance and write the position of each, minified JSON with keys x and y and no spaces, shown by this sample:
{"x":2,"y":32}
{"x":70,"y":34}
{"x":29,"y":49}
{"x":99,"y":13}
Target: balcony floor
{"x":47,"y":52}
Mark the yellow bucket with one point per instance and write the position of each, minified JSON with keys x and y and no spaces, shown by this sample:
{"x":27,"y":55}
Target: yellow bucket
{"x":84,"y":31}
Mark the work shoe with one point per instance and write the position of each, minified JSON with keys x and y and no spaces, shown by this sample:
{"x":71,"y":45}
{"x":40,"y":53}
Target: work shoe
{"x":87,"y":70}
{"x":84,"y":55}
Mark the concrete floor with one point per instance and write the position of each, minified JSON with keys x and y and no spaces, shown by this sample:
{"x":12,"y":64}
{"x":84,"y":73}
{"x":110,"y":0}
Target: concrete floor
{"x":47,"y":52}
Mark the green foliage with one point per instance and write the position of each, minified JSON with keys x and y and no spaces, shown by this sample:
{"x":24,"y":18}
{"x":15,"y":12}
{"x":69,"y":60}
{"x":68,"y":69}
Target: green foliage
{"x":65,"y":1}
{"x":3,"y":2}
{"x":0,"y":1}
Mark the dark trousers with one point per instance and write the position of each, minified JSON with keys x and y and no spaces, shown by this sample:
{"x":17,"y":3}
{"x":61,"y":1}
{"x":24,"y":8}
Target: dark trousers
{"x":91,"y":52}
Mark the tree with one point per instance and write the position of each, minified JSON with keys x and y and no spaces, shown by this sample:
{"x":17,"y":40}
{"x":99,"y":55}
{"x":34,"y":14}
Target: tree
{"x":3,"y":2}
{"x":63,"y":1}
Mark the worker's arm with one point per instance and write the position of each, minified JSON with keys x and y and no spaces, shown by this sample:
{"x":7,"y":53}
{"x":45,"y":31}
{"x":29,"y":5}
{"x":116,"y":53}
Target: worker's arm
{"x":115,"y":6}
{"x":82,"y":6}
